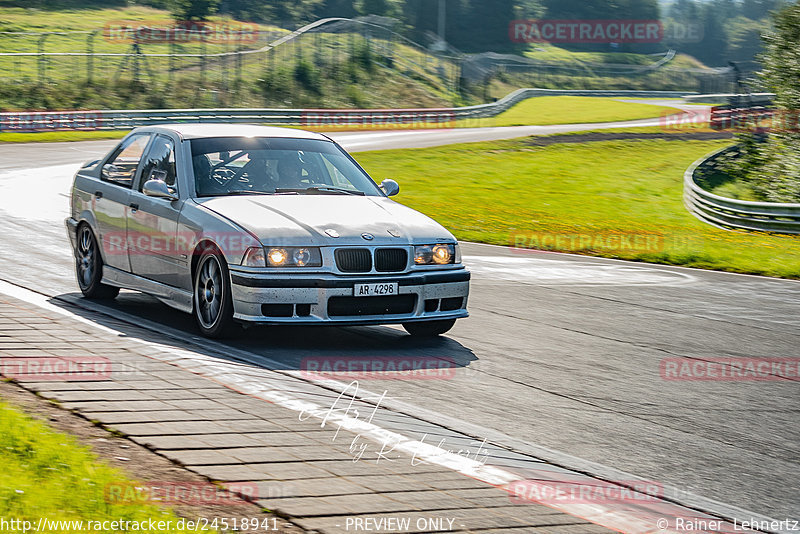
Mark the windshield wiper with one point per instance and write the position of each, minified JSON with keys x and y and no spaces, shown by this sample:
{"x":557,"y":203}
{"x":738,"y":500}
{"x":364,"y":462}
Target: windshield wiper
{"x":241,"y":192}
{"x":319,"y":189}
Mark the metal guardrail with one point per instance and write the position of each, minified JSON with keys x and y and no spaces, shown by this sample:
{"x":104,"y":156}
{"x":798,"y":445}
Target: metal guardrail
{"x":443,"y":117}
{"x":727,"y":98}
{"x":739,"y":118}
{"x":728,"y":213}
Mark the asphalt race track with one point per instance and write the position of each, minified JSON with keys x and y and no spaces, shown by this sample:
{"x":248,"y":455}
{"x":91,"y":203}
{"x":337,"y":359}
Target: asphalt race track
{"x":560,"y":352}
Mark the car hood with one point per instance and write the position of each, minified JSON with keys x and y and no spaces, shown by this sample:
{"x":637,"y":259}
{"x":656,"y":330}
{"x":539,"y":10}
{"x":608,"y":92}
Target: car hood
{"x":311,"y":219}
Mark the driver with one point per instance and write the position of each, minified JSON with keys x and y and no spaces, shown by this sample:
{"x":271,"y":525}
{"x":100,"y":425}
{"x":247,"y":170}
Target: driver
{"x":256,"y":170}
{"x":290,"y":172}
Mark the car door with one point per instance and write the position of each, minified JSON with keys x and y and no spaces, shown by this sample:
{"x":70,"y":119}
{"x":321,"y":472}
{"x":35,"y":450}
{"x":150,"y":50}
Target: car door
{"x":111,"y":198}
{"x":154,"y":250}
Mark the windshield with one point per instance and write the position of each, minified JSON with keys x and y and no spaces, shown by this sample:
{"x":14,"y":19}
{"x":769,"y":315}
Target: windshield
{"x":258,"y":165}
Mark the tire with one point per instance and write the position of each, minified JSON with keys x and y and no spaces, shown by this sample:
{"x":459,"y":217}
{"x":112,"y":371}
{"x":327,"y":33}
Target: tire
{"x":429,"y":328}
{"x":89,"y":266}
{"x":213,"y":305}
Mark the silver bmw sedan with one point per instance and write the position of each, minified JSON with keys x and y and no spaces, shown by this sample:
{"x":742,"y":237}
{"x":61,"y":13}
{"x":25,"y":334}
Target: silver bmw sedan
{"x":241,"y":223}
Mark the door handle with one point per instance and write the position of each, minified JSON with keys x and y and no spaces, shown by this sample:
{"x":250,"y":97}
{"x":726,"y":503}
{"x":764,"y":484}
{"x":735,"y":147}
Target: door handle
{"x":134,"y":207}
{"x":98,"y":194}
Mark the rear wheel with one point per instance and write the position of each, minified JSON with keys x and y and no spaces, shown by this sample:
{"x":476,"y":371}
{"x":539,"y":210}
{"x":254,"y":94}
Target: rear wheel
{"x":213,"y":307}
{"x":429,"y":328}
{"x":89,"y":267}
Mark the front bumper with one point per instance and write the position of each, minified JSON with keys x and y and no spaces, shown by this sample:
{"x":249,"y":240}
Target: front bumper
{"x":306,"y":299}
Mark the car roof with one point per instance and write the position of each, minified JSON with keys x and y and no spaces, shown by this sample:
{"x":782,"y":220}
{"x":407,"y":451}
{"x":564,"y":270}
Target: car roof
{"x":197,"y":130}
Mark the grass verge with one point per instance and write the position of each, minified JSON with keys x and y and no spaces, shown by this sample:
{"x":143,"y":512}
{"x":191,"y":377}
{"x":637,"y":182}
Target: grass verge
{"x":545,"y":110}
{"x":52,"y":137}
{"x":49,"y":475}
{"x":620,"y":199}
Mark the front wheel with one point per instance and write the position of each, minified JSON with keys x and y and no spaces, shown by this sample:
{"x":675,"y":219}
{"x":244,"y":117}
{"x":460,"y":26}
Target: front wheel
{"x":89,"y":267}
{"x":429,"y":328}
{"x":213,"y":306}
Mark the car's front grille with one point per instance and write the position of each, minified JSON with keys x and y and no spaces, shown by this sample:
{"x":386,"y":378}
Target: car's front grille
{"x":353,"y":260}
{"x":387,"y":305}
{"x":391,"y":259}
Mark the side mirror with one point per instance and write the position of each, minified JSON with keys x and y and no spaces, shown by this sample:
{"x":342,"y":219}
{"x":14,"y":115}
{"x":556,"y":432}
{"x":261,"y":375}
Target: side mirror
{"x":110,"y":171}
{"x":390,"y":187}
{"x":158,"y":189}
{"x":157,"y":174}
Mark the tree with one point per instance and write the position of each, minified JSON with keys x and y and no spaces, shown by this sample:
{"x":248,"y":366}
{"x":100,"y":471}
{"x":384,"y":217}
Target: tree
{"x":781,"y":71}
{"x":255,"y":10}
{"x":758,"y":9}
{"x":779,"y":179}
{"x":487,"y":24}
{"x":602,"y":9}
{"x":193,"y":9}
{"x":422,"y":19}
{"x":294,"y":11}
{"x":529,"y":9}
{"x":421,"y":16}
{"x":743,"y":38}
{"x":384,"y":8}
{"x":684,"y":11}
{"x":279,"y":12}
{"x":713,"y":50}
{"x":338,"y":8}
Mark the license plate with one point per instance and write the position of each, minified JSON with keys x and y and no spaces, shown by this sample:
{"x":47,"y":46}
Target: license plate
{"x":375,"y":289}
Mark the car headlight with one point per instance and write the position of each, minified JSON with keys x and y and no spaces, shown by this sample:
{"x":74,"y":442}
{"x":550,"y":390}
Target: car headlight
{"x":301,"y":256}
{"x":441,"y":254}
{"x":282,"y":257}
{"x":293,"y":257}
{"x":277,"y":257}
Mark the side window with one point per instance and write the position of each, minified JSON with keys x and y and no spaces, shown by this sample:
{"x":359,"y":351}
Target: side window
{"x":159,"y":164}
{"x":121,"y":168}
